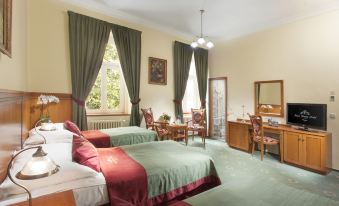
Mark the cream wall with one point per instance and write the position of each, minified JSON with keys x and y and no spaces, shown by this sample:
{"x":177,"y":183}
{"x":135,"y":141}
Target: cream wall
{"x":48,"y":53}
{"x":13,"y":70}
{"x":304,"y":54}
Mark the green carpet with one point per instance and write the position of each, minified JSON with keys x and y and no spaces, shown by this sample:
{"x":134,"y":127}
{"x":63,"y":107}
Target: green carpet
{"x":246,"y":180}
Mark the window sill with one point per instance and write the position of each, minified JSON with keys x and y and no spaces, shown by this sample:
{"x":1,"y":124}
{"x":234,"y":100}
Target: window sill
{"x":107,"y":114}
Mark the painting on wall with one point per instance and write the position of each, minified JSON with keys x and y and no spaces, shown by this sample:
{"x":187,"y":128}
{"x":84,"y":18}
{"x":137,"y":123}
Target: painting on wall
{"x":6,"y":27}
{"x":157,"y":71}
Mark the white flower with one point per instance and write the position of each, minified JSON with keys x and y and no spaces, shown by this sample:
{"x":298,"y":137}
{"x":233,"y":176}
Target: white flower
{"x":45,"y":99}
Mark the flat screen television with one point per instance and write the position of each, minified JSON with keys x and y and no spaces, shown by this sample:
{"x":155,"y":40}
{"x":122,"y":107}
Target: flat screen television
{"x":307,"y":115}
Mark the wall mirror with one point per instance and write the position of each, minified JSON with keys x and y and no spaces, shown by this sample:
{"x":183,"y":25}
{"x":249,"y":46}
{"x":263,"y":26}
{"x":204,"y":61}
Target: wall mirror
{"x":269,"y":98}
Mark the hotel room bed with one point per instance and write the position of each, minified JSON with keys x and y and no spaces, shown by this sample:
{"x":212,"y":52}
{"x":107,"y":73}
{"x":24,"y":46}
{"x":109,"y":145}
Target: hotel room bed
{"x":119,"y":136}
{"x":99,"y":138}
{"x":159,"y":171}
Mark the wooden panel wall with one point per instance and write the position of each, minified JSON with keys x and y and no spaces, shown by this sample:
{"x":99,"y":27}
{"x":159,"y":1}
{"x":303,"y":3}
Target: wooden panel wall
{"x":11,"y":107}
{"x":58,"y":112}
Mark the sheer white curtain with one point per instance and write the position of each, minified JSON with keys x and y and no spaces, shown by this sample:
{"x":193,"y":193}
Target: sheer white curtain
{"x":191,"y":97}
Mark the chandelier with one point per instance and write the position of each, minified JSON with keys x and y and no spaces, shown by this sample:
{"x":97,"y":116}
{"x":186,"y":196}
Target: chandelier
{"x":201,"y":40}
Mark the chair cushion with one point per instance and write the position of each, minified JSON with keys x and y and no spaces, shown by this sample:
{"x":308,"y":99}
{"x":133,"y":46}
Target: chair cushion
{"x":267,"y":140}
{"x":162,"y":132}
{"x":199,"y":127}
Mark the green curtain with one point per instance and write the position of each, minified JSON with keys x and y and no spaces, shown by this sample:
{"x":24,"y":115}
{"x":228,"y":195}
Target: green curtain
{"x":201,"y":66}
{"x":182,"y":60}
{"x":88,"y":38}
{"x":128,"y":43}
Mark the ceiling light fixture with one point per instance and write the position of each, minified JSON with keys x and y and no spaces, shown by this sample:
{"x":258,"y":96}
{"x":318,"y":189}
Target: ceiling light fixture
{"x":202,"y":39}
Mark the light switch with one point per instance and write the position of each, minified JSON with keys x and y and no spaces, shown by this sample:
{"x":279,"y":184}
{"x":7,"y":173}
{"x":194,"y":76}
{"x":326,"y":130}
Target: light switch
{"x":332,"y":115}
{"x":332,"y":98}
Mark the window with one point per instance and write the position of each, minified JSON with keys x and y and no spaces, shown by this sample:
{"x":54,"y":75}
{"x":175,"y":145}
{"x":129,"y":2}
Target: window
{"x":109,"y":91}
{"x":191,"y":97}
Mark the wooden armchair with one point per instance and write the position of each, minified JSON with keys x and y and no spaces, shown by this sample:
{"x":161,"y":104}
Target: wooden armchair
{"x":259,"y":137}
{"x":198,"y":124}
{"x":149,"y":119}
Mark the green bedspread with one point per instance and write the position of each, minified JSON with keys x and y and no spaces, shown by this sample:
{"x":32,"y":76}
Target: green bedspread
{"x":170,"y":165}
{"x":129,"y":135}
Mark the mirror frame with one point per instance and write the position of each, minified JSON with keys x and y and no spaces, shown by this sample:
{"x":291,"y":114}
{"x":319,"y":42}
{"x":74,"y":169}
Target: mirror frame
{"x":282,"y":111}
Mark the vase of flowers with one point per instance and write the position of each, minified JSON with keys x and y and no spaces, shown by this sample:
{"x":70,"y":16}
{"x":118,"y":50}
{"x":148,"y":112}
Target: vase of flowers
{"x":44,"y":101}
{"x":165,"y":117}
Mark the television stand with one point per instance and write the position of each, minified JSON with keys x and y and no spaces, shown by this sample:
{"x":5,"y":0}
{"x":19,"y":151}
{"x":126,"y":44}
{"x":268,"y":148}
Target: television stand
{"x":303,"y":128}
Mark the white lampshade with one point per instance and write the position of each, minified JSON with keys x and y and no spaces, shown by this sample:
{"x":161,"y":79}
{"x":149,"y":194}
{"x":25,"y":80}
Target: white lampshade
{"x":210,"y":44}
{"x":47,"y":126}
{"x":38,"y":166}
{"x":194,"y":44}
{"x":201,"y":40}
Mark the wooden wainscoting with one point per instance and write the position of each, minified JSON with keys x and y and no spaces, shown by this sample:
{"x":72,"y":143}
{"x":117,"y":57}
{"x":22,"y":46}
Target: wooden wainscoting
{"x":58,"y":112}
{"x":11,"y":106}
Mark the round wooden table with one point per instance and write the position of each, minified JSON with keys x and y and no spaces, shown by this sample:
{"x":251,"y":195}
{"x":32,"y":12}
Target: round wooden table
{"x":178,"y":131}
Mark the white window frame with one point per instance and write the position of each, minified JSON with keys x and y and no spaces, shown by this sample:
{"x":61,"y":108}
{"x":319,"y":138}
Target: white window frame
{"x":103,"y":89}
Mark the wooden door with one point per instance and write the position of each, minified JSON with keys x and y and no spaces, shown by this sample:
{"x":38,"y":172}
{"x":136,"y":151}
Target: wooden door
{"x":238,"y":136}
{"x":292,"y":147}
{"x":314,"y":152}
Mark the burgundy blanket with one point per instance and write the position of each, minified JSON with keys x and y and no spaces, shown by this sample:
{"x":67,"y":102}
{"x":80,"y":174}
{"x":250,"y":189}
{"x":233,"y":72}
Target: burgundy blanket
{"x":126,"y":179}
{"x":97,"y":138}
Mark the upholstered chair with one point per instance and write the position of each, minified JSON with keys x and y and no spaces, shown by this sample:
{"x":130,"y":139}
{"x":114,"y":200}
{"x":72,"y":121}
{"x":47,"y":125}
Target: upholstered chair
{"x":198,"y":124}
{"x":149,"y":119}
{"x":258,"y":136}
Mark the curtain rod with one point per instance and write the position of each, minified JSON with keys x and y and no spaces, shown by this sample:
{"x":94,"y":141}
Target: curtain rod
{"x":102,"y":21}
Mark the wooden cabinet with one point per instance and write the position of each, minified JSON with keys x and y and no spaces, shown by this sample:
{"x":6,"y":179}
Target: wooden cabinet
{"x":238,"y":136}
{"x":307,"y":149}
{"x":292,"y":148}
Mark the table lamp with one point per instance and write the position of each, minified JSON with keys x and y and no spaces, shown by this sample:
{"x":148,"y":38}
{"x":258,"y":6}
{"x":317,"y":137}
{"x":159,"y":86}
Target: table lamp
{"x":45,"y":126}
{"x":38,"y":166}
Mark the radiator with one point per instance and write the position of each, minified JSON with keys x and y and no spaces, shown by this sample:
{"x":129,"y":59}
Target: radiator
{"x":105,"y":124}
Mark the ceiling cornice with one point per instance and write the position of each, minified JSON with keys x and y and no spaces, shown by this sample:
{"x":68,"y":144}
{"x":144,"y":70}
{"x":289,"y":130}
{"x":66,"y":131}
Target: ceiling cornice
{"x":123,"y":16}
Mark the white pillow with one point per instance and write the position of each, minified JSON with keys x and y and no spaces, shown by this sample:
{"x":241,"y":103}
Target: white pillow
{"x":61,"y":154}
{"x":58,"y":127}
{"x":56,"y":136}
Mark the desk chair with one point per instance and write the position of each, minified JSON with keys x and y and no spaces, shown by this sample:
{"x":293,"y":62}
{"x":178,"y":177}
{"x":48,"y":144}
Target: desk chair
{"x":259,"y":137}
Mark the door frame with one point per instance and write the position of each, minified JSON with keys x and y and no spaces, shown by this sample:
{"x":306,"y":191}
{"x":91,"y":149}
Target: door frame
{"x":210,"y":104}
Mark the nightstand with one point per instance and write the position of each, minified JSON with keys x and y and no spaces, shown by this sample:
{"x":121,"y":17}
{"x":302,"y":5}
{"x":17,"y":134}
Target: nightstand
{"x":56,"y":199}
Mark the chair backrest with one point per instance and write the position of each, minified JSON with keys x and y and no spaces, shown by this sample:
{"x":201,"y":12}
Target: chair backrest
{"x":149,"y":119}
{"x":198,"y":116}
{"x":257,"y":125}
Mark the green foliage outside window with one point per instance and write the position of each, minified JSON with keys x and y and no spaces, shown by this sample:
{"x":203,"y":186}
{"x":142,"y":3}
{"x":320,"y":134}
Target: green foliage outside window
{"x":113,"y":89}
{"x":113,"y":84}
{"x":111,"y":54}
{"x":94,"y":98}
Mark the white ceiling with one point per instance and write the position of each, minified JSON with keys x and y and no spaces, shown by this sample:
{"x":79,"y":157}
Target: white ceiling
{"x":223,"y":19}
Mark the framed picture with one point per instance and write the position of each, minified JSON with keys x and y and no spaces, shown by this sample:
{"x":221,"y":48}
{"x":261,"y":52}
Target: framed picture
{"x":6,"y":27}
{"x":157,"y":71}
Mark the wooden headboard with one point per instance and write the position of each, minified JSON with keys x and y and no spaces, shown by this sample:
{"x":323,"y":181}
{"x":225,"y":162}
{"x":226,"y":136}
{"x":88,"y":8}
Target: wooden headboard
{"x":11,"y":107}
{"x":18,"y":114}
